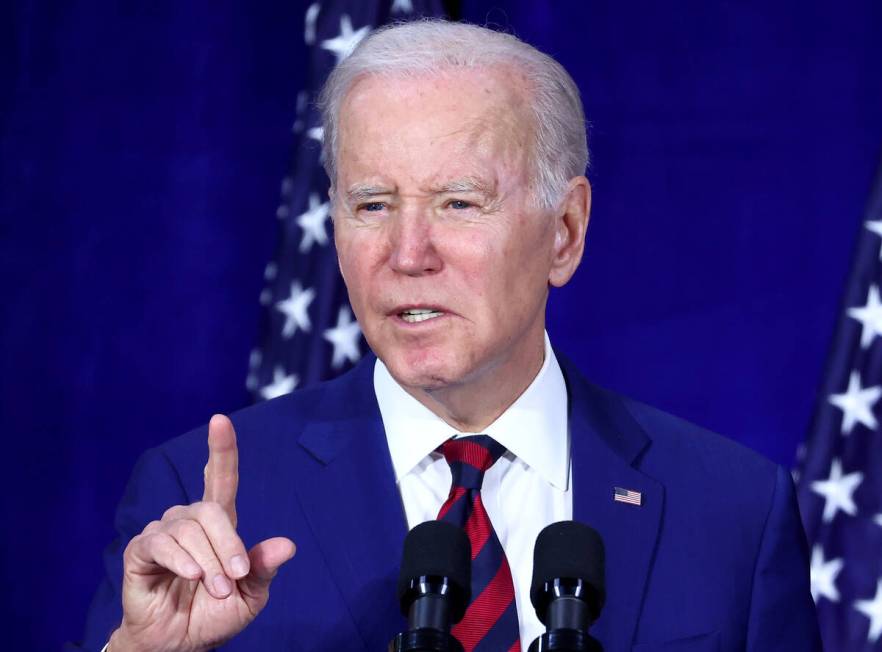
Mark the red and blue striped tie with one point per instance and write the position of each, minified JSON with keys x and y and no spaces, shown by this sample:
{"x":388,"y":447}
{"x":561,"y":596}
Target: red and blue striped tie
{"x":491,"y":620}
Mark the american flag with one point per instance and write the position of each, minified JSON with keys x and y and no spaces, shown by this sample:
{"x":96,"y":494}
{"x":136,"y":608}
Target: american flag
{"x":308,"y":332}
{"x":627,"y":496}
{"x":840,"y":471}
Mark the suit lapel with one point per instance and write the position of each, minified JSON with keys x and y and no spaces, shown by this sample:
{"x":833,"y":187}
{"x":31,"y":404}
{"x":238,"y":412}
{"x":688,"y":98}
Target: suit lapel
{"x":352,"y":504}
{"x":606,"y":444}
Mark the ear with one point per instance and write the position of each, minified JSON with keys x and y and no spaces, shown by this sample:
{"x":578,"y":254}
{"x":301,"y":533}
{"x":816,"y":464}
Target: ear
{"x":571,"y":221}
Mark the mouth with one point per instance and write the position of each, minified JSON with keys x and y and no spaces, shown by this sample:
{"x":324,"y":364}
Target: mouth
{"x":416,"y":315}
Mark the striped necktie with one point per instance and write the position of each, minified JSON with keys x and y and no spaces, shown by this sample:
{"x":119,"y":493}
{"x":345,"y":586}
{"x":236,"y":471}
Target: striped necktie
{"x":491,"y":620}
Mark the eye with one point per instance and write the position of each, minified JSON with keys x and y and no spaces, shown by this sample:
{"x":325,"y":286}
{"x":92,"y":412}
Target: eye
{"x":372,"y":207}
{"x":458,"y":204}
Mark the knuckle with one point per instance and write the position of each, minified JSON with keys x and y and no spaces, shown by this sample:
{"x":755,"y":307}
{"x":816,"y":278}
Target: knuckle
{"x":172,"y":513}
{"x":187,"y":530}
{"x":151,"y":527}
{"x":140,"y":547}
{"x":157,"y":541}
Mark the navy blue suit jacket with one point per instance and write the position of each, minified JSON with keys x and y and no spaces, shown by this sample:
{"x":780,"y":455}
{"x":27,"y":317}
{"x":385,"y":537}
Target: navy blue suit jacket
{"x":714,"y":560}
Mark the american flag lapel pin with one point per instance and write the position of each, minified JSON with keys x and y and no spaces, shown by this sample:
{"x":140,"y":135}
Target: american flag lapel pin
{"x":627,"y":496}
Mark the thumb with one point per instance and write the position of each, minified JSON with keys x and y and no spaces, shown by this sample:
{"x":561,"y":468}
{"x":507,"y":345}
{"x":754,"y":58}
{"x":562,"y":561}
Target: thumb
{"x":266,"y":557}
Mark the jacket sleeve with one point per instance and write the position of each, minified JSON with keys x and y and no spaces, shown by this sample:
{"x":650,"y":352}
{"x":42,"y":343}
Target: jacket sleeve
{"x":782,"y":613}
{"x":153,"y":487}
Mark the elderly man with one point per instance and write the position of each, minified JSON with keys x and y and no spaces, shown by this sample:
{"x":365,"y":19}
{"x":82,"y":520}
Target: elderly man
{"x":457,"y":159}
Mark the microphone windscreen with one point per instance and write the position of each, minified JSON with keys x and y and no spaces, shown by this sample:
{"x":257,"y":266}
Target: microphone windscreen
{"x":568,"y":550}
{"x":436,"y":548}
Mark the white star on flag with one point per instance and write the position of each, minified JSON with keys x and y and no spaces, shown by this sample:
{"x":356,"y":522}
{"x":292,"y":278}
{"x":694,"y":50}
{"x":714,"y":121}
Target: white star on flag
{"x":343,"y":44}
{"x":838,"y":491}
{"x":876,"y":227}
{"x":870,"y":317}
{"x":313,"y":223}
{"x":857,"y":404}
{"x":877,"y":519}
{"x":316,"y":133}
{"x":282,"y":384}
{"x":872,"y":609}
{"x":295,"y":309}
{"x":344,"y":337}
{"x":823,"y":576}
{"x":404,"y":6}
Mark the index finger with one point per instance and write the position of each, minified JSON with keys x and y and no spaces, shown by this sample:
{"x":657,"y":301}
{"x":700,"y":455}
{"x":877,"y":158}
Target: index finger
{"x":222,"y":470}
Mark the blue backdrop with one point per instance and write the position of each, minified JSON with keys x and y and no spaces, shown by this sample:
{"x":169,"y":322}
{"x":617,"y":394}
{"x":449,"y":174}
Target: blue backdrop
{"x":141,"y":150}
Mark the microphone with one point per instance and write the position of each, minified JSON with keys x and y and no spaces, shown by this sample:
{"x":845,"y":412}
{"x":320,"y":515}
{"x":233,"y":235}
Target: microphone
{"x":434,"y":587}
{"x":568,"y":588}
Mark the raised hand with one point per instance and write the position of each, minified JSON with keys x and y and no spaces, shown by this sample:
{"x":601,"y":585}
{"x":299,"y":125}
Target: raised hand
{"x":189,"y":584}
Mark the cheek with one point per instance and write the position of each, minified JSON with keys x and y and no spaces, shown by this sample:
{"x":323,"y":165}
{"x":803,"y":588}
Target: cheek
{"x":358,"y":250}
{"x":527,"y":265}
{"x":472,"y":259}
{"x":501,"y":269}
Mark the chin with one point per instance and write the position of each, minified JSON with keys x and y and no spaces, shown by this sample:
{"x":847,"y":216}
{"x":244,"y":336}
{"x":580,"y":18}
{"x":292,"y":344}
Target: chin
{"x":421,"y":372}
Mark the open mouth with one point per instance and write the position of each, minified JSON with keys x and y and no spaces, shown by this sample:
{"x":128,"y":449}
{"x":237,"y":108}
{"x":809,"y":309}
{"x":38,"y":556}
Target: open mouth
{"x":415,"y":315}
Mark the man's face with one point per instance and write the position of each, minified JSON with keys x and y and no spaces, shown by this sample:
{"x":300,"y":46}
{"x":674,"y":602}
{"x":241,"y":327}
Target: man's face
{"x":445,"y":257}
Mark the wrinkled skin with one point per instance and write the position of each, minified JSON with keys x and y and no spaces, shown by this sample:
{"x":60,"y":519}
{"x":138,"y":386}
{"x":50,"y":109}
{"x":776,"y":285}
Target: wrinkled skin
{"x":434,"y":210}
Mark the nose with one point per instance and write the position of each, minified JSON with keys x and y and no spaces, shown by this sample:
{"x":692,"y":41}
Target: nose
{"x":413,"y":249}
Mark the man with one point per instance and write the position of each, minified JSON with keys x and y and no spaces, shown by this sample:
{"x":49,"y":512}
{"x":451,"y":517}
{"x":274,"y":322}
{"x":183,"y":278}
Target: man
{"x":457,"y":159}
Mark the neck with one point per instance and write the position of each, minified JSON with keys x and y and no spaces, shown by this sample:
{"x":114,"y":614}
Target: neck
{"x":471,"y":406}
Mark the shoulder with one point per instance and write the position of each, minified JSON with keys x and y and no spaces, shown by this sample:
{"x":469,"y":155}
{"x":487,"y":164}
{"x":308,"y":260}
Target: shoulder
{"x":687,"y":459}
{"x":268,"y":433}
{"x":676,"y":441}
{"x":705,"y":472}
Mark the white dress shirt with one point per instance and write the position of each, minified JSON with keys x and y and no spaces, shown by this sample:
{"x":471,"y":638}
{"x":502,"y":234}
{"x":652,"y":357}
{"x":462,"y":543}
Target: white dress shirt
{"x":527,"y":489}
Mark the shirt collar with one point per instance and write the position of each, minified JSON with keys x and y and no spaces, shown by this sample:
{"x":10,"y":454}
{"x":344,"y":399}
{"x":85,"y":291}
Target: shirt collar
{"x":533,"y":428}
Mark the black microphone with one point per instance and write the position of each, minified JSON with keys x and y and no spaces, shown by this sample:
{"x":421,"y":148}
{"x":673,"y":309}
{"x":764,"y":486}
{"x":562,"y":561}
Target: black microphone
{"x":434,"y":587}
{"x":568,"y":589}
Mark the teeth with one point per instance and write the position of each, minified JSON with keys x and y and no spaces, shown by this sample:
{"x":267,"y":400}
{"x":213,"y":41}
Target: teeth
{"x":414,"y":315}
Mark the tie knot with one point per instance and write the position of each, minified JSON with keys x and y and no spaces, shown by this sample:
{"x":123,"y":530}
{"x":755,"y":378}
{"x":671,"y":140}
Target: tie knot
{"x":470,"y":457}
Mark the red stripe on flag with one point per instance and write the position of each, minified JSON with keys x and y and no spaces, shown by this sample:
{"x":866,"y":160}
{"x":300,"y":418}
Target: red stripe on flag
{"x":463,"y":450}
{"x":516,"y":647}
{"x":455,"y":494}
{"x":478,"y":526}
{"x":486,"y":609}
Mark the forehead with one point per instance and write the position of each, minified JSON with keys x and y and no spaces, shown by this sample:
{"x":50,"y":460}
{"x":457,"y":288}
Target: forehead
{"x":455,"y":117}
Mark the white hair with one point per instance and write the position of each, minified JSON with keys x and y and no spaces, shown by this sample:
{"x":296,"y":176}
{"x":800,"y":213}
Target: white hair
{"x":434,"y":45}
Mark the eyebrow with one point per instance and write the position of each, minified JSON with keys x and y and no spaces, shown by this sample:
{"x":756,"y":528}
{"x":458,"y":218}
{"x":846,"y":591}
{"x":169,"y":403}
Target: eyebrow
{"x":466,"y":184}
{"x":359,"y":193}
{"x":363,"y":192}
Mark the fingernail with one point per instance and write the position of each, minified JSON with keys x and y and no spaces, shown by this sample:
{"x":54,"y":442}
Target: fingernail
{"x":221,"y":585}
{"x":239,"y":566}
